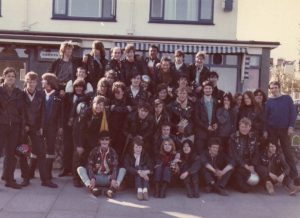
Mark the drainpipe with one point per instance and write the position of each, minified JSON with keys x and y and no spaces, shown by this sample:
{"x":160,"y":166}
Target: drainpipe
{"x":130,"y":30}
{"x":25,"y":26}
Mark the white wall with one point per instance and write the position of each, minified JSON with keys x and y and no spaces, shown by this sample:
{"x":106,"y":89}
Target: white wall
{"x":40,"y":13}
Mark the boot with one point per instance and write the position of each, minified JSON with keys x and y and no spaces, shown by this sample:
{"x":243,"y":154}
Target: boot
{"x":49,"y":166}
{"x":163,"y":190}
{"x":196,"y":188}
{"x":49,"y":184}
{"x":188,"y":188}
{"x":157,"y":190}
{"x":25,"y":182}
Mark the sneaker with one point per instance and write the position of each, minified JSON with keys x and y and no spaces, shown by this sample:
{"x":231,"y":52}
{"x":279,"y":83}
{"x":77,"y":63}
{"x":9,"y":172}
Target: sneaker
{"x":145,"y":196}
{"x":110,"y":193}
{"x":270,"y":188}
{"x":139,"y":196}
{"x":96,"y":192}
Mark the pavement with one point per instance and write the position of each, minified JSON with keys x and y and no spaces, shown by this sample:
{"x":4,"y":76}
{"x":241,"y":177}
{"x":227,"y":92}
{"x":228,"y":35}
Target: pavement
{"x":67,"y":201}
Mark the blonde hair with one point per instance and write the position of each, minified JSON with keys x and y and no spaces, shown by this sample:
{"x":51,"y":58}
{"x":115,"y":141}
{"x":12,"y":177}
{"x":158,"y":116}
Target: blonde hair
{"x":64,"y":46}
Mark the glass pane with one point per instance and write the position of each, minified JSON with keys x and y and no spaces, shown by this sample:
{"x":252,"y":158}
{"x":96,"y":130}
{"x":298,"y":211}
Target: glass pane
{"x":60,"y":7}
{"x":108,"y":8}
{"x":206,"y":9}
{"x":217,"y":59}
{"x":227,"y":78}
{"x":231,"y":59}
{"x":254,"y":61}
{"x":87,"y":8}
{"x":252,"y":83}
{"x":181,"y":10}
{"x":156,"y":8}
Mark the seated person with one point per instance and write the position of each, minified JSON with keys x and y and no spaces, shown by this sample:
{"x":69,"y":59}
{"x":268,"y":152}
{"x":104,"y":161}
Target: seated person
{"x":217,"y":167}
{"x":244,"y":150}
{"x":80,"y":74}
{"x":139,"y":165}
{"x":189,"y":166}
{"x":102,"y":167}
{"x":272,"y":168}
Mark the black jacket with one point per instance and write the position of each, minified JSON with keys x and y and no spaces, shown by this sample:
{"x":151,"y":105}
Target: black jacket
{"x":53,"y":117}
{"x":129,"y":67}
{"x":190,"y":163}
{"x":203,"y":74}
{"x":134,"y":101}
{"x":218,"y":162}
{"x":145,"y":163}
{"x":255,"y":115}
{"x":117,"y":67}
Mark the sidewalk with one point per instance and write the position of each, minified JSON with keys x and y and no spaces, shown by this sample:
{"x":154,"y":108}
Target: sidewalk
{"x":67,"y":201}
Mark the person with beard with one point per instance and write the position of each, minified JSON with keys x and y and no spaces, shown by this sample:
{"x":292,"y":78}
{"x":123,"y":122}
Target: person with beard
{"x":189,"y":165}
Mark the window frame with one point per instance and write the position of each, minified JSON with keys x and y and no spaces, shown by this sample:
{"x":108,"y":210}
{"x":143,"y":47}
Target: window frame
{"x":65,"y":16}
{"x":198,"y":22}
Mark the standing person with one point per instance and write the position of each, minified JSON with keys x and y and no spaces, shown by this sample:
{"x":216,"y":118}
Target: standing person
{"x":198,"y":71}
{"x":205,"y":119}
{"x":227,"y":118}
{"x":244,"y":151}
{"x":217,"y":93}
{"x":11,"y":123}
{"x":34,"y":112}
{"x":189,"y":166}
{"x":160,"y":114}
{"x":179,"y":67}
{"x":218,"y":167}
{"x":260,"y":98}
{"x":280,"y":117}
{"x":164,"y":73}
{"x":80,"y":74}
{"x":139,"y":165}
{"x":53,"y":119}
{"x":162,"y":94}
{"x":95,"y":63}
{"x":65,"y":66}
{"x":115,"y":63}
{"x":152,"y":60}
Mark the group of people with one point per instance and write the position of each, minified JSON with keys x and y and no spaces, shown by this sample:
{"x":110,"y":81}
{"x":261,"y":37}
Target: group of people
{"x":146,"y":121}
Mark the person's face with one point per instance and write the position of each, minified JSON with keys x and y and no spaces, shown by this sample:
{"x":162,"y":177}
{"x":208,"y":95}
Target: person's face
{"x":244,"y":129}
{"x":167,"y":146}
{"x":68,"y":52}
{"x":102,"y":89}
{"x":104,"y":142}
{"x":199,"y":60}
{"x":130,"y":56}
{"x":165,"y":66}
{"x":247,"y":100}
{"x":259,"y":98}
{"x":182,"y":96}
{"x":96,"y":52}
{"x":226,"y":101}
{"x":31,"y":84}
{"x":144,"y":85}
{"x":165,"y":130}
{"x":178,"y":59}
{"x":239,"y":100}
{"x":158,"y":108}
{"x":81,"y":74}
{"x":183,"y":82}
{"x":110,"y":78}
{"x":78,"y":90}
{"x":119,"y":94}
{"x":116,"y":53}
{"x":274,"y":89}
{"x":207,"y":90}
{"x":214,"y":80}
{"x":10,"y":79}
{"x":45,"y":85}
{"x":272,"y":148}
{"x":98,"y":107}
{"x":186,"y":148}
{"x":162,"y":94}
{"x":153,"y":53}
{"x":143,"y":113}
{"x":137,"y":149}
{"x":214,"y":149}
{"x":136,"y":81}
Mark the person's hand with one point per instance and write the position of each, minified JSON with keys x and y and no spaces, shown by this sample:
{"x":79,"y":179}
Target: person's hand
{"x":215,"y":126}
{"x":60,"y":131}
{"x":219,"y":173}
{"x":27,"y":128}
{"x":80,"y":150}
{"x":129,"y":108}
{"x":210,"y":128}
{"x":290,"y":131}
{"x":112,"y":107}
{"x":280,"y":178}
{"x":70,"y":123}
{"x":93,"y":183}
{"x":184,"y":175}
{"x":40,"y":131}
{"x":85,"y":59}
{"x":180,"y":129}
{"x":251,"y":169}
{"x":273,"y":177}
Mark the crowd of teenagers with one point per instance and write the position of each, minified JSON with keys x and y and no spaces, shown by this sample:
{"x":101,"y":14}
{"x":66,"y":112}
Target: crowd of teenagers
{"x":145,"y":121}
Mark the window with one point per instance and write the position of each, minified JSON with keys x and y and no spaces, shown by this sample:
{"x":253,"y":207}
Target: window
{"x":181,"y":11}
{"x":84,"y":10}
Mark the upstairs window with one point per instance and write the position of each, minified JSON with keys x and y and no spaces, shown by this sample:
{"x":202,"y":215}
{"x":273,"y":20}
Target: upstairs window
{"x":84,"y":9}
{"x":182,"y":11}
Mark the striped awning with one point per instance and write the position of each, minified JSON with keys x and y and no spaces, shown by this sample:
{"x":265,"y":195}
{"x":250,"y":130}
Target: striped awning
{"x":187,"y":48}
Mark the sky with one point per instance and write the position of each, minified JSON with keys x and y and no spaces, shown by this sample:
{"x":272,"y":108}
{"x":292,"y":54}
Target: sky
{"x":271,"y":20}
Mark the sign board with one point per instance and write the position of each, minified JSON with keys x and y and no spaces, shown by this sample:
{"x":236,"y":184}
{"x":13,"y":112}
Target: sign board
{"x":48,"y":54}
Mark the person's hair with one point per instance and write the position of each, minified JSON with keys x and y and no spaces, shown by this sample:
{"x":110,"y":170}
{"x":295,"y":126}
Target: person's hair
{"x":235,"y":97}
{"x":51,"y":80}
{"x":104,"y":134}
{"x":103,"y":82}
{"x":63,"y":46}
{"x":162,"y":151}
{"x":154,"y":47}
{"x":273,"y":141}
{"x":31,"y":76}
{"x":246,"y":121}
{"x":201,"y":54}
{"x":161,"y":87}
{"x":8,"y":70}
{"x":158,"y":102}
{"x":134,"y":74}
{"x":117,"y":47}
{"x":230,"y":98}
{"x":165,"y":58}
{"x":207,"y":83}
{"x":145,"y":105}
{"x":79,"y":82}
{"x":181,"y":89}
{"x":253,"y":101}
{"x":259,"y":91}
{"x":189,"y":142}
{"x":117,"y":85}
{"x":275,"y":83}
{"x":111,"y":72}
{"x":214,"y":141}
{"x":213,"y":74}
{"x":99,"y":99}
{"x":165,"y":123}
{"x":129,"y":47}
{"x":179,"y":53}
{"x":98,"y":45}
{"x":138,"y":140}
{"x":81,"y":68}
